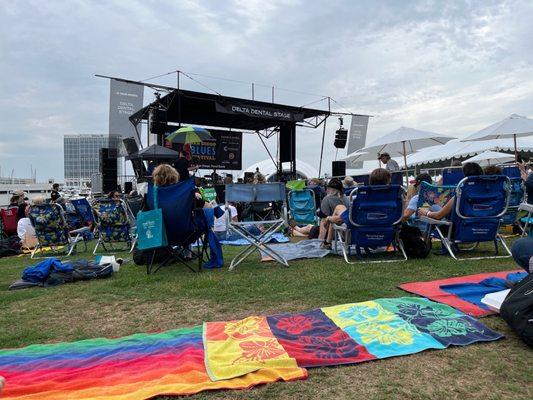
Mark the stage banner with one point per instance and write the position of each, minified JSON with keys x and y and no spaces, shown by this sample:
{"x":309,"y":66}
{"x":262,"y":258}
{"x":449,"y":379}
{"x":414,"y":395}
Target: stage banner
{"x":357,"y":138}
{"x":124,"y":100}
{"x":224,"y":152}
{"x":258,"y":112}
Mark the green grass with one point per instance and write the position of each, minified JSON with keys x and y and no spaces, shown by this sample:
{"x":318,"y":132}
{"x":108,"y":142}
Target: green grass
{"x":132,"y":302}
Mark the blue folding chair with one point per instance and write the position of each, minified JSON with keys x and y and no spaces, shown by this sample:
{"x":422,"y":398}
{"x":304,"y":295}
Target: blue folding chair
{"x":260,"y":193}
{"x":510,"y":170}
{"x":184,"y":225}
{"x":451,"y":176}
{"x":113,"y":224}
{"x":397,"y":178}
{"x":84,"y":210}
{"x":375,"y":215}
{"x":480,"y":204}
{"x":52,"y":230}
{"x":302,"y":206}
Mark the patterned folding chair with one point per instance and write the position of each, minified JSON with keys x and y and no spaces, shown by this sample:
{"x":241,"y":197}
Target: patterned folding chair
{"x":112,"y":224}
{"x":375,"y":215}
{"x":430,"y":195}
{"x":273,"y":193}
{"x":480,"y":204}
{"x":52,"y":229}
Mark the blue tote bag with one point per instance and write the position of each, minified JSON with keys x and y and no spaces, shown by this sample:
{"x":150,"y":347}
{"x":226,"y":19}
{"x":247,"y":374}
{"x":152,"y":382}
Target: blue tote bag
{"x":151,"y":227}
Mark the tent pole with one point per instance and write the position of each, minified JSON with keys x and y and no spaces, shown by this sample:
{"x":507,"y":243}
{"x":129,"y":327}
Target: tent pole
{"x":515,"y":149}
{"x":322,"y":148}
{"x":405,"y":163}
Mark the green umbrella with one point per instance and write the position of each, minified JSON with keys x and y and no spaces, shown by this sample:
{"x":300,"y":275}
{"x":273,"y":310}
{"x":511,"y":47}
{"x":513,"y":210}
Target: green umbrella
{"x":189,"y":134}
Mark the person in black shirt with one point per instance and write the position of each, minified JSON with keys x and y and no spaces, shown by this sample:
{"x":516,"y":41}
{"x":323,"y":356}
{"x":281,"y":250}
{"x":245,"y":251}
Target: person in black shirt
{"x":183,"y":166}
{"x":54,"y":194}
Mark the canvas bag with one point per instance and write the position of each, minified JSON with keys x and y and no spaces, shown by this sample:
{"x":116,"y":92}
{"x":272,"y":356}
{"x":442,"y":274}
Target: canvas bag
{"x":151,"y":227}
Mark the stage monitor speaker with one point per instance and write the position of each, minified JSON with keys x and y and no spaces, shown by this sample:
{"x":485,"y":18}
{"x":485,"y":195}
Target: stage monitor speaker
{"x":138,"y":165}
{"x":158,"y":121}
{"x":338,"y":168}
{"x":108,"y":169}
{"x":287,"y":142}
{"x":341,"y":136}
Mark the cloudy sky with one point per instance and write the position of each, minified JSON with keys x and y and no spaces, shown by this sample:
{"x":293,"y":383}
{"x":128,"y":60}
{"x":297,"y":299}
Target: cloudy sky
{"x":447,"y":66}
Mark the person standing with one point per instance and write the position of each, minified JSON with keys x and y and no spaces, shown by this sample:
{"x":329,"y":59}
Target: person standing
{"x":54,"y":194}
{"x":390,"y":164}
{"x":183,"y":166}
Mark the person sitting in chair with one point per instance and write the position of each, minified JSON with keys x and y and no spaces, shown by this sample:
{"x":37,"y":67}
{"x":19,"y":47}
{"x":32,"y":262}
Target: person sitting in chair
{"x":412,"y":205}
{"x":25,"y":229}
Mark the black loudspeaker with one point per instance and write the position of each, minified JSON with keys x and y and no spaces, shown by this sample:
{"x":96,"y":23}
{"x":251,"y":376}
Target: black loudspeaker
{"x":128,"y":187}
{"x":108,"y":169}
{"x":287,"y":142}
{"x":138,"y":165}
{"x":338,"y":168}
{"x":341,"y":136}
{"x":158,"y":121}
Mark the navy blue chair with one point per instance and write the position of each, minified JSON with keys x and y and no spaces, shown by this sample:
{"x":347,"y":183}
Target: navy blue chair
{"x":451,"y":176}
{"x":480,"y":204}
{"x":510,"y":170}
{"x":184,"y":225}
{"x":397,"y":178}
{"x":516,"y":197}
{"x":375,"y":215}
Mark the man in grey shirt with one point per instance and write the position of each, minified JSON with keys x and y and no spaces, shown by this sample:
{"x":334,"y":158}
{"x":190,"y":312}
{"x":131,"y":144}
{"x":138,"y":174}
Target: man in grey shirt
{"x":334,"y":197}
{"x":390,"y":164}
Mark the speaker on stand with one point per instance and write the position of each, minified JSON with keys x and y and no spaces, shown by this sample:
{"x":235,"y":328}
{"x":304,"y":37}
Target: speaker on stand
{"x":108,"y":169}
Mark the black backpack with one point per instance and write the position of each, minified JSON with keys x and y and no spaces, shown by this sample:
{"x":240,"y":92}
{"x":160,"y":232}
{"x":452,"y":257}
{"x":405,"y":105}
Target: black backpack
{"x":517,"y":309}
{"x":413,"y":244}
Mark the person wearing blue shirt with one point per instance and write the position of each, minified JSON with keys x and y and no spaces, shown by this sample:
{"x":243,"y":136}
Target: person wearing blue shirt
{"x":409,"y":214}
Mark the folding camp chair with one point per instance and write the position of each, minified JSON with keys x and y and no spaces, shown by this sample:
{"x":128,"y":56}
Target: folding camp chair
{"x":451,"y":176}
{"x":113,"y":224}
{"x":375,"y":214}
{"x":184,"y":225}
{"x":510,"y":170}
{"x":516,"y":197}
{"x":8,"y":221}
{"x":430,"y":195}
{"x":84,"y":210}
{"x":272,"y":193}
{"x":302,"y":207}
{"x":480,"y":203}
{"x":52,"y":229}
{"x":528,"y":219}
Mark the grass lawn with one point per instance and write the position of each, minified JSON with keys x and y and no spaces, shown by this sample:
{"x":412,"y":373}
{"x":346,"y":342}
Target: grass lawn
{"x":132,"y":302}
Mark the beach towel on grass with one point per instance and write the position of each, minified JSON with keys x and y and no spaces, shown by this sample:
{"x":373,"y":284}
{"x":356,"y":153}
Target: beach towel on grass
{"x":462,"y":292}
{"x":348,"y":333}
{"x":133,"y":367}
{"x":274,"y":238}
{"x":309,"y":248}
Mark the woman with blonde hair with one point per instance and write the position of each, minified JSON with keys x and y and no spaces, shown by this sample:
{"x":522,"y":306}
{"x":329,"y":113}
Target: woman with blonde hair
{"x":165,"y":175}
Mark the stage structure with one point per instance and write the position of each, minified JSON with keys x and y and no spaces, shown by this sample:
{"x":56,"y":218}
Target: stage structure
{"x":174,"y":107}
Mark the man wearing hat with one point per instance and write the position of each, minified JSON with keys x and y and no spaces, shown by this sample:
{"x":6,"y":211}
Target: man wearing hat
{"x":18,"y":199}
{"x":334,"y":197}
{"x":390,"y":164}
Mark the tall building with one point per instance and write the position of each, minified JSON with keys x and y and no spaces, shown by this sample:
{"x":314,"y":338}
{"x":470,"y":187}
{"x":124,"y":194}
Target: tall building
{"x":81,"y":156}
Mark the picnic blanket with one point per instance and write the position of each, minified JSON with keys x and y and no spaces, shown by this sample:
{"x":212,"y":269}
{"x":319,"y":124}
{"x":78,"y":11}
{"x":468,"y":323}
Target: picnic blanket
{"x":309,"y":248}
{"x":274,"y":238}
{"x":133,"y":367}
{"x":234,"y":354}
{"x":464,"y":292}
{"x":348,"y":333}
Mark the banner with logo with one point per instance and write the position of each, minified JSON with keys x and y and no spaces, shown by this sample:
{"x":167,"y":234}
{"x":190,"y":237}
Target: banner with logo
{"x":224,"y":152}
{"x":357,"y":137}
{"x":125,"y":99}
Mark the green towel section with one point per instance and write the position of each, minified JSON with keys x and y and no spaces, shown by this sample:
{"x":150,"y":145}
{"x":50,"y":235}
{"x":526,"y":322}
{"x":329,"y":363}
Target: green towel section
{"x":296,"y":185}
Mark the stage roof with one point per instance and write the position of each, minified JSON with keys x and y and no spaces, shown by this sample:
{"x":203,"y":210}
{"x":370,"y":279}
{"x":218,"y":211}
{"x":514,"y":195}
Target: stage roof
{"x":197,"y":108}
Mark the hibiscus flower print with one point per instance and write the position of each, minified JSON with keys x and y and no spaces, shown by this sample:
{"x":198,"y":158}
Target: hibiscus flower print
{"x":386,"y":334}
{"x":259,"y":350}
{"x":448,"y":327}
{"x":330,"y":348}
{"x":244,"y":328}
{"x":296,"y":324}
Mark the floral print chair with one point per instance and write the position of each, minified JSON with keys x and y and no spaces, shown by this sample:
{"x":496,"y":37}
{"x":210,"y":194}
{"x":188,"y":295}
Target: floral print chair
{"x":113,"y":224}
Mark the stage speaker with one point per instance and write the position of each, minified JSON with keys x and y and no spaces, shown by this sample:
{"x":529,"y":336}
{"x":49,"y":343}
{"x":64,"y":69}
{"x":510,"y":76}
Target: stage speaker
{"x":158,"y":121}
{"x":338,"y":168}
{"x":138,"y":165}
{"x":128,"y":187}
{"x":108,"y":169}
{"x":287,"y":142}
{"x":341,"y":136}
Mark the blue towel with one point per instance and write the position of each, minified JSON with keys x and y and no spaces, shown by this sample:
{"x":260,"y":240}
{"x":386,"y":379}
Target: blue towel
{"x":39,"y":272}
{"x":274,"y":238}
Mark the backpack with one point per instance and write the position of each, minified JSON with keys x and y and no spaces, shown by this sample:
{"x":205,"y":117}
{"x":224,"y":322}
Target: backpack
{"x":517,"y":309}
{"x":413,"y":244}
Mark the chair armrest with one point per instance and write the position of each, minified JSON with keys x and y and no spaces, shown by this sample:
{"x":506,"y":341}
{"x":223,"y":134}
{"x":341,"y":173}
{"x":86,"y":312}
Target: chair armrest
{"x":342,"y":227}
{"x":433,"y":221}
{"x":526,"y":207}
{"x":80,"y":230}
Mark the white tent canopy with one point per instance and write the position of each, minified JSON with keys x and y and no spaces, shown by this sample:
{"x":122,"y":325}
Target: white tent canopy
{"x":458,"y":149}
{"x":514,"y":125}
{"x":490,"y":157}
{"x":267,"y":168}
